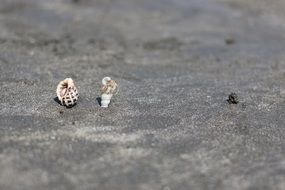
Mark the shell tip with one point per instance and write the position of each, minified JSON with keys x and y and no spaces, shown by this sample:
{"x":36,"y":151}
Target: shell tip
{"x":105,"y":80}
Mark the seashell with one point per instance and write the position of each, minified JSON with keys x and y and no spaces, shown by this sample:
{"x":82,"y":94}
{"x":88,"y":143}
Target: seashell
{"x":108,"y":89}
{"x":67,"y":93}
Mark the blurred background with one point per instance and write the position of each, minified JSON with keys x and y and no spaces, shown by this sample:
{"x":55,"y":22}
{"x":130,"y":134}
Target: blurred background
{"x":170,"y":126}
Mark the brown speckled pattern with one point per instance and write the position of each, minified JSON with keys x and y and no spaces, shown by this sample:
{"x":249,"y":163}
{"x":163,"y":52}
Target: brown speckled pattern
{"x":111,"y":87}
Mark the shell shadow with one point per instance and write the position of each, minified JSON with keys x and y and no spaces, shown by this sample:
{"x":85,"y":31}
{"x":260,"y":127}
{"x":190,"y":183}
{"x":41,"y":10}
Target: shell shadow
{"x":56,"y":100}
{"x":99,"y":100}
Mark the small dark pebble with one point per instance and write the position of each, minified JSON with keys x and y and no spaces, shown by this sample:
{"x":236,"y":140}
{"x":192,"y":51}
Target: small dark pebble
{"x":230,"y":41}
{"x":61,"y":111}
{"x":233,"y":98}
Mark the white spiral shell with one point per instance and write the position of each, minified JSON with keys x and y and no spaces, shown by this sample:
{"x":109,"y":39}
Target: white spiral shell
{"x":109,"y":87}
{"x":67,"y":93}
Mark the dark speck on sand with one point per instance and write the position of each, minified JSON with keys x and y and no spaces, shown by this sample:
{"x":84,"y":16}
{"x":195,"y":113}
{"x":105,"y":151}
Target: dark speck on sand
{"x":233,"y":98}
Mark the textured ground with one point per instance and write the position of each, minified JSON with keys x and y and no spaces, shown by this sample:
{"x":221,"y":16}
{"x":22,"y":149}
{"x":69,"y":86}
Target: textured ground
{"x":170,"y":127}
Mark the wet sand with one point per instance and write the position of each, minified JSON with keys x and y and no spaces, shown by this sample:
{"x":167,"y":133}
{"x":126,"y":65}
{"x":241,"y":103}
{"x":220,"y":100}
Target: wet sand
{"x":171,"y":126}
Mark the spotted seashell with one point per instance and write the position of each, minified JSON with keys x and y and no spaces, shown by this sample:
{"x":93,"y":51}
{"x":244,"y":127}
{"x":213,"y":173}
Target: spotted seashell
{"x":67,"y":93}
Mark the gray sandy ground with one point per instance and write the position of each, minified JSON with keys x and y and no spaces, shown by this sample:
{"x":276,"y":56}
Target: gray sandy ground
{"x":170,"y":127}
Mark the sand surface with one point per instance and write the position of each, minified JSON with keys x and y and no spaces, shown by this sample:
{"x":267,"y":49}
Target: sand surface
{"x":170,"y":127}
